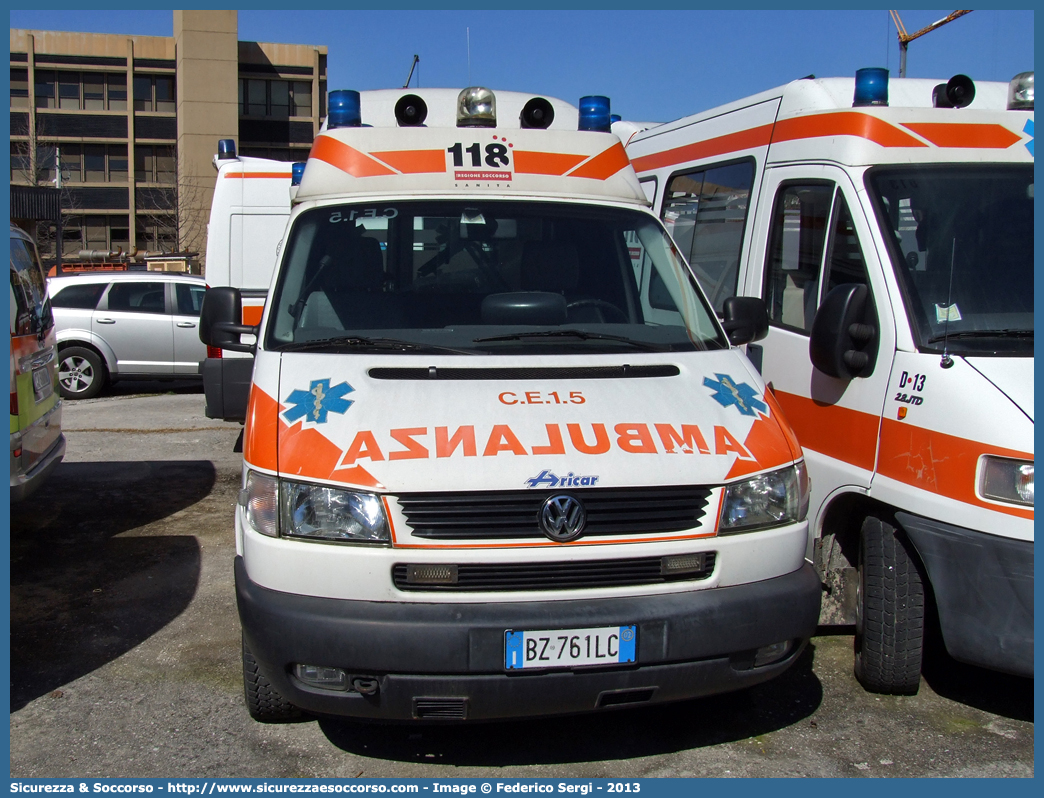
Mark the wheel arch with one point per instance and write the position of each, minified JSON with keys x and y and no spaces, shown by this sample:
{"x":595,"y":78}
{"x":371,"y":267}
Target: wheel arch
{"x":93,"y":342}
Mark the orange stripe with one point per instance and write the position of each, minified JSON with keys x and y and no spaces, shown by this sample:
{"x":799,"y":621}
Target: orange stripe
{"x":843,"y":123}
{"x":252,"y":314}
{"x":412,"y":162}
{"x":939,"y":463}
{"x":743,"y":140}
{"x":962,"y":135}
{"x":355,"y":163}
{"x":838,"y":432}
{"x":261,"y":430}
{"x":284,"y":175}
{"x":769,"y":446}
{"x":604,"y":165}
{"x":545,"y":163}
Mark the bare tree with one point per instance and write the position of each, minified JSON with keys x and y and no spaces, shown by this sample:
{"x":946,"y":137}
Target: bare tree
{"x":36,"y":162}
{"x":173,"y":205}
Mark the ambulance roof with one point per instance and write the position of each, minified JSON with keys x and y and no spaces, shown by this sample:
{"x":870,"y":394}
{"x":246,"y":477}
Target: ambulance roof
{"x":382,"y":158}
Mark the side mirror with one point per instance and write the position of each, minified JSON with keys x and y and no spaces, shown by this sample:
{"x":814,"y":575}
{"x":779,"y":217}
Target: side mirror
{"x":221,"y":320}
{"x":746,"y":319}
{"x":843,"y":342}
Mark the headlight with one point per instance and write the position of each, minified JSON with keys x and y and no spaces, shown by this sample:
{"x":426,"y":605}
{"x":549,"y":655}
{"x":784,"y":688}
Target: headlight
{"x":772,"y":499}
{"x":318,"y":512}
{"x":1005,"y":480}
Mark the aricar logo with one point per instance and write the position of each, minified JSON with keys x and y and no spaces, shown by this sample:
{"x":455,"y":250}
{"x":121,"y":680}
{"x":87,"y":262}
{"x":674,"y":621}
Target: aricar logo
{"x":319,"y":400}
{"x":729,"y":392}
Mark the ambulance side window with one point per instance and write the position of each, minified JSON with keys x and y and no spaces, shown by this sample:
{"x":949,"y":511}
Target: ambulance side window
{"x":706,"y":214}
{"x":795,"y":254}
{"x":845,"y":262}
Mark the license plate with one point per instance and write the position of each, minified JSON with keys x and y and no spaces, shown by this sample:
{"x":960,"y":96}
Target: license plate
{"x":556,"y":648}
{"x":42,"y":387}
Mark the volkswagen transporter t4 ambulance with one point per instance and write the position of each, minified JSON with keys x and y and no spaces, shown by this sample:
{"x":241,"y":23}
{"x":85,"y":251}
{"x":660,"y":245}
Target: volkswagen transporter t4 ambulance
{"x":501,"y":459}
{"x":889,"y":228}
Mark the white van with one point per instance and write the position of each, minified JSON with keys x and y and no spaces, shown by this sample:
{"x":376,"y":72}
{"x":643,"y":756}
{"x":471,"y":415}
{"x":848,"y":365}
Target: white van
{"x":248,"y":215}
{"x":500,"y":458}
{"x":889,"y":229}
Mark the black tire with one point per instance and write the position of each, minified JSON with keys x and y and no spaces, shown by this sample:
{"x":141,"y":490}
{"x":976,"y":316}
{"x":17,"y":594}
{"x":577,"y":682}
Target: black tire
{"x":889,"y":639}
{"x":81,"y":373}
{"x":263,"y":702}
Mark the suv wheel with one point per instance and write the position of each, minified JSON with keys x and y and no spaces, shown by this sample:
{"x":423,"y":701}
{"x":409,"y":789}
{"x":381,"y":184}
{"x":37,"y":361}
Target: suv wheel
{"x":81,"y":373}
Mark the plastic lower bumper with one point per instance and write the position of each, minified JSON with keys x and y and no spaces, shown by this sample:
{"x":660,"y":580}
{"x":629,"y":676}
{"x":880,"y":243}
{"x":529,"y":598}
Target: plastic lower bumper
{"x":446,"y":661}
{"x":983,"y":587}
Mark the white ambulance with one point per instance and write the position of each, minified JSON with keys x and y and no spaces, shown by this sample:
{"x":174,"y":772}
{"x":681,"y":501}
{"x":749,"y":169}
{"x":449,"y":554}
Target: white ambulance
{"x":500,"y":458}
{"x":889,"y":229}
{"x":248,"y":216}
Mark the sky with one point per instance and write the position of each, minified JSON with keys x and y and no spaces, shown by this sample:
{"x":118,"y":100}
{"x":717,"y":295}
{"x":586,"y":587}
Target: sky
{"x":654,"y":66}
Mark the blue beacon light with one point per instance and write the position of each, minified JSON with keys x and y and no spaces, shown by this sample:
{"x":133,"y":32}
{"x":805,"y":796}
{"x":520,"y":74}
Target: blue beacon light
{"x":344,"y":109}
{"x":594,"y":114}
{"x":296,"y":173}
{"x":871,"y":87}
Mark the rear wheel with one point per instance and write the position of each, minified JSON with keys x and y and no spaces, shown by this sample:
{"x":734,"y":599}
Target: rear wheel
{"x":81,"y":373}
{"x":889,"y":636}
{"x":263,"y":701}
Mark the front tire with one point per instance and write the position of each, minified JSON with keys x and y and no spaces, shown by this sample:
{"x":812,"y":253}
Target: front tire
{"x":889,"y":638}
{"x":81,"y":373}
{"x":263,"y":701}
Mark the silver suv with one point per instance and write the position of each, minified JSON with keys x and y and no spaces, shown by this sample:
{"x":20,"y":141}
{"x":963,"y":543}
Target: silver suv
{"x":140,"y":325}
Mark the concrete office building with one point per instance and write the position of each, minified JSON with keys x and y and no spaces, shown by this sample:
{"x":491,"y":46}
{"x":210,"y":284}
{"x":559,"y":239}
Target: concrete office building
{"x":135,"y":122}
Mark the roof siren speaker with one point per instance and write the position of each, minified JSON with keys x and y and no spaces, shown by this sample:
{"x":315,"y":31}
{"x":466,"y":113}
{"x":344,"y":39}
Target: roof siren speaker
{"x":537,"y":113}
{"x":410,"y":111}
{"x":957,"y":92}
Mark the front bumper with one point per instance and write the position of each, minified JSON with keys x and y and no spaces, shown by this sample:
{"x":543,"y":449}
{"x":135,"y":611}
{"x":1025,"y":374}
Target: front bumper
{"x":983,"y":588}
{"x":450,"y":656}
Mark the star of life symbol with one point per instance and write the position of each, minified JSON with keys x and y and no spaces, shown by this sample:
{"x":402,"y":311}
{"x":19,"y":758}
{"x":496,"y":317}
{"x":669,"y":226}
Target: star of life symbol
{"x":1028,"y":130}
{"x":319,"y":400}
{"x":728,"y":392}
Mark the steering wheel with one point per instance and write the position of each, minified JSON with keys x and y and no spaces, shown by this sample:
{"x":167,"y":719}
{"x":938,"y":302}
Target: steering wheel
{"x":602,"y":306}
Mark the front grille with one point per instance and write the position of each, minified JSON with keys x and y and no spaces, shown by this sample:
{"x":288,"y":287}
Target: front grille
{"x":557,"y":575}
{"x":498,"y":515}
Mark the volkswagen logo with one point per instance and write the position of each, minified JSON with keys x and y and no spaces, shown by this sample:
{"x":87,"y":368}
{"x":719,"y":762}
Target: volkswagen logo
{"x":562,"y":518}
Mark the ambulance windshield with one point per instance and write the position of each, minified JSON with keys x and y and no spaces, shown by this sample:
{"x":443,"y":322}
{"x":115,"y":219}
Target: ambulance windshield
{"x":961,"y":239}
{"x":485,"y":276}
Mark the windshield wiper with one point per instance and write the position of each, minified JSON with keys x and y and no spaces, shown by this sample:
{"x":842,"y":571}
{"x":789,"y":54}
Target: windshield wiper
{"x":584,"y":336}
{"x":351,"y":341}
{"x":982,"y":334}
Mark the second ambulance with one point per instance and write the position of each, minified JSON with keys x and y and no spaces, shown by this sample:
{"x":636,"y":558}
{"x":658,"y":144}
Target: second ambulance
{"x":889,"y":228}
{"x":501,"y":459}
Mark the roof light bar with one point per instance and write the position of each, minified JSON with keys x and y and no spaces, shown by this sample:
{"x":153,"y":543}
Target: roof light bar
{"x":871,"y":87}
{"x":344,"y":110}
{"x":594,"y":114}
{"x":1020,"y":92}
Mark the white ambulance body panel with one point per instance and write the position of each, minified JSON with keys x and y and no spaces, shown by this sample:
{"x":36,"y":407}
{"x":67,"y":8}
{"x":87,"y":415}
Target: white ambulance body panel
{"x":491,"y":410}
{"x":920,"y":216}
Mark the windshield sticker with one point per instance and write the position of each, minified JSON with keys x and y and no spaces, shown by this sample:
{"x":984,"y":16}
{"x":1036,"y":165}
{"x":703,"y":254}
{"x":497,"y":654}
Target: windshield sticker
{"x":943,"y":314}
{"x":729,"y":392}
{"x":548,"y":479}
{"x":319,"y":400}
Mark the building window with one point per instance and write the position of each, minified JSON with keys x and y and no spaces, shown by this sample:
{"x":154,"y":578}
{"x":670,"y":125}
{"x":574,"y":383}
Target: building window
{"x":154,"y":93}
{"x":278,"y":99}
{"x":19,"y":88}
{"x":20,"y":167}
{"x":95,"y":232}
{"x":157,"y":234}
{"x":74,"y":91}
{"x":276,"y":153}
{"x":94,"y":163}
{"x":155,"y":164}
